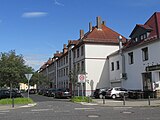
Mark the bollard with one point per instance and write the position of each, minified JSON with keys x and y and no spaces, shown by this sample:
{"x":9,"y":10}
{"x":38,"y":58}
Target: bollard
{"x":12,"y":102}
{"x":149,"y":101}
{"x":88,"y":99}
{"x":124,"y":100}
{"x":103,"y":99}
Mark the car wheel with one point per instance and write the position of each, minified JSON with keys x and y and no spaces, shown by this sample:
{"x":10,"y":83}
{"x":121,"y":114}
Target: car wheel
{"x":100,"y":96}
{"x":113,"y":96}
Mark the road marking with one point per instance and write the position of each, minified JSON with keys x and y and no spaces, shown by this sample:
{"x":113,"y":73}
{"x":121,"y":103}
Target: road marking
{"x":127,"y":112}
{"x":39,"y":110}
{"x":66,"y":111}
{"x":93,"y":116}
{"x":4,"y":111}
{"x":84,"y":108}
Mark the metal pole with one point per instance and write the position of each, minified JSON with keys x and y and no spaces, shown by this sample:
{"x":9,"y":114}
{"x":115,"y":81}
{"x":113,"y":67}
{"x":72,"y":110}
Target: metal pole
{"x":12,"y":102}
{"x":82,"y":91}
{"x":28,"y":89}
{"x":78,"y":91}
{"x":103,"y":99}
{"x":149,"y":100}
{"x":124,"y":100}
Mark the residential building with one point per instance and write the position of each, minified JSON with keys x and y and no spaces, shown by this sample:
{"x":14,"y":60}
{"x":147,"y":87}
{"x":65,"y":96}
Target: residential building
{"x":140,"y":67}
{"x":87,"y":55}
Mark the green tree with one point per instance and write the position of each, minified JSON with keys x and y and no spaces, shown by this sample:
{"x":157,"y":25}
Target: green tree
{"x":12,"y":69}
{"x":39,"y":79}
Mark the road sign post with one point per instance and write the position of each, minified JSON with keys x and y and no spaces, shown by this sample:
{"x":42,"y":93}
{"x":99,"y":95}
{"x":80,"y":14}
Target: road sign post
{"x":28,"y":76}
{"x":81,"y":79}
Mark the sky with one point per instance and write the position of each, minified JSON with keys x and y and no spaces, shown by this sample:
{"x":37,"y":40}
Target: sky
{"x":38,"y":28}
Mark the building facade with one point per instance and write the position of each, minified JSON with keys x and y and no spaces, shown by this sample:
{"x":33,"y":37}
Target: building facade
{"x":141,"y":58}
{"x":108,"y":59}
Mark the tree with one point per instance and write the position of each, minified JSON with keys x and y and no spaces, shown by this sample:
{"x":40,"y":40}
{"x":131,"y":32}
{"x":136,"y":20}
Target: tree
{"x":39,"y":79}
{"x":12,"y":69}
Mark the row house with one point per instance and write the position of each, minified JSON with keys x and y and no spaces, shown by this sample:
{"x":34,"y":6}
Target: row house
{"x":136,"y":65}
{"x":87,"y":55}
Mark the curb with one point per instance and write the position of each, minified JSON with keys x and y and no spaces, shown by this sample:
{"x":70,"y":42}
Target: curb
{"x":17,"y":107}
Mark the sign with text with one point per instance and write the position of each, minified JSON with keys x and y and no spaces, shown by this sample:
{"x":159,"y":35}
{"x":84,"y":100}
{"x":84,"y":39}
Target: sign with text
{"x":81,"y":78}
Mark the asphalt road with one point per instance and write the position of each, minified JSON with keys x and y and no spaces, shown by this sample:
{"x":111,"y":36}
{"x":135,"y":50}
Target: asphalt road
{"x":62,"y":109}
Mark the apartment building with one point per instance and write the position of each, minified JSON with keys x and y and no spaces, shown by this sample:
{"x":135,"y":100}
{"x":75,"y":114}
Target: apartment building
{"x":87,"y":55}
{"x":137,"y":64}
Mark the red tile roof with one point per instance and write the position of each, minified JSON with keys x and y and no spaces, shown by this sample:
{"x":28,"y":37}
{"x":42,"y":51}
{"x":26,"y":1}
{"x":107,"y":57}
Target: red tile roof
{"x":152,"y":24}
{"x":105,"y":35}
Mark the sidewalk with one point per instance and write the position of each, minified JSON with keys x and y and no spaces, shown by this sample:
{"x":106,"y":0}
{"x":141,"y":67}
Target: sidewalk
{"x":9,"y":107}
{"x":128,"y":102}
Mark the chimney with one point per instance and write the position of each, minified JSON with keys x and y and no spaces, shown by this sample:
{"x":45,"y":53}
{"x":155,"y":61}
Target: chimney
{"x":57,"y":52}
{"x":90,"y":27}
{"x":99,"y":26}
{"x":81,"y":34}
{"x":120,"y":43}
{"x":104,"y":23}
{"x":64,"y":48}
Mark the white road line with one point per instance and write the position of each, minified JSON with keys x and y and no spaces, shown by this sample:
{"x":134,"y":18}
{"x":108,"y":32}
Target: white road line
{"x":84,"y":108}
{"x":6,"y":111}
{"x":39,"y":110}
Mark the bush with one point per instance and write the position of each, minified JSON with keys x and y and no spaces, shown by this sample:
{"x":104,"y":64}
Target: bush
{"x":81,"y":99}
{"x":16,"y":101}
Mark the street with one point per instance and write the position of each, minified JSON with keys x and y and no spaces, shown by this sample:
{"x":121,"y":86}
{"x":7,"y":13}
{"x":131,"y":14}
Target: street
{"x":48,"y":108}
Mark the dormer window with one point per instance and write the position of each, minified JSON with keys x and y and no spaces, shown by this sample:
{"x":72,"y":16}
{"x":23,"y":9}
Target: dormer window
{"x":142,"y":37}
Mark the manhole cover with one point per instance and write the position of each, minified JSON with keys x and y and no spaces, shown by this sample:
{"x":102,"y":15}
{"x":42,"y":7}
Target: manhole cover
{"x":93,"y":116}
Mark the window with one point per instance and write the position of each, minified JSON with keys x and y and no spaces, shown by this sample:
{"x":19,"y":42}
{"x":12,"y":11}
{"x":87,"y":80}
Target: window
{"x":145,"y":54}
{"x":117,"y":65}
{"x":112,"y":66}
{"x":82,"y":66}
{"x":66,"y":59}
{"x":78,"y":67}
{"x":74,"y":54}
{"x":66,"y":71}
{"x":77,"y":52}
{"x":130,"y":58}
{"x":82,"y":51}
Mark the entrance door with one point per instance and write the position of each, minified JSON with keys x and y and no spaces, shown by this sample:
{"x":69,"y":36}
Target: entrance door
{"x":147,"y":81}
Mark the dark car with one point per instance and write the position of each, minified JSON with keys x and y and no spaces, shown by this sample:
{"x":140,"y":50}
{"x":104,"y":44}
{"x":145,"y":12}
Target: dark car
{"x":4,"y":93}
{"x":7,"y":93}
{"x":98,"y":93}
{"x":62,"y":93}
{"x":51,"y":92}
{"x":32,"y":91}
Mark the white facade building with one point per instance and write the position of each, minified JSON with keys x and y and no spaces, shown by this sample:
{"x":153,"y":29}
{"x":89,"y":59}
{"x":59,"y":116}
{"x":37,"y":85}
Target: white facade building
{"x":142,"y":61}
{"x":99,"y":55}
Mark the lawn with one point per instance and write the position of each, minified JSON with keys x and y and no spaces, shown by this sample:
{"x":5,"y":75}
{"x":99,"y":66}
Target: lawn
{"x":81,"y":99}
{"x":16,"y":101}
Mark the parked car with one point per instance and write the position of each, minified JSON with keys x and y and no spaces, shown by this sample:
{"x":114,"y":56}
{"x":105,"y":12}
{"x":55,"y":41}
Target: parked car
{"x":98,"y":93}
{"x":7,"y":93}
{"x":116,"y":92}
{"x":4,"y":93}
{"x":51,"y":92}
{"x":62,"y":93}
{"x":32,"y":91}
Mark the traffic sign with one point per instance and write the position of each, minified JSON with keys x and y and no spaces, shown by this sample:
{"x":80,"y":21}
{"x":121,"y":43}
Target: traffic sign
{"x":81,"y":78}
{"x":28,"y":76}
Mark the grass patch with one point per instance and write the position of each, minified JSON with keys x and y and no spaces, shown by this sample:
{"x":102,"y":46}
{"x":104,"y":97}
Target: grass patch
{"x":81,"y":99}
{"x":16,"y":101}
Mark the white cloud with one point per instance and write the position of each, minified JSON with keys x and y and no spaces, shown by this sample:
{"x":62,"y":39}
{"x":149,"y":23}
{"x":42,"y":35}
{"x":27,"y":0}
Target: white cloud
{"x":58,"y":3}
{"x":35,"y":60}
{"x":34,"y":14}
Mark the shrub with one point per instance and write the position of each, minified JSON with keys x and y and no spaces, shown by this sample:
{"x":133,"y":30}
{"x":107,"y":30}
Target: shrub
{"x":16,"y":101}
{"x":81,"y":99}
